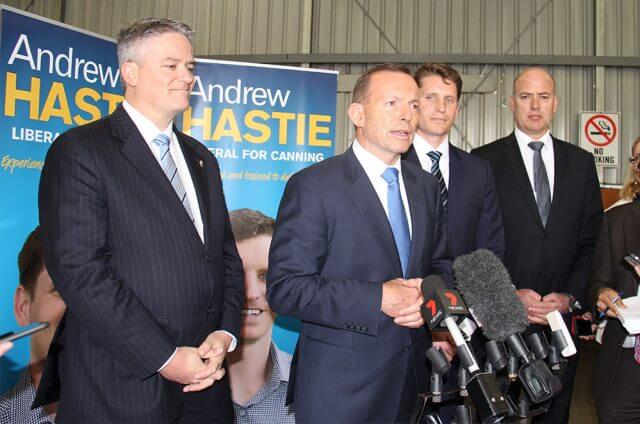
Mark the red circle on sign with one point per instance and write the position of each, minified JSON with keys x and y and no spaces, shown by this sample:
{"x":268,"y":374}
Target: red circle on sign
{"x":591,"y":123}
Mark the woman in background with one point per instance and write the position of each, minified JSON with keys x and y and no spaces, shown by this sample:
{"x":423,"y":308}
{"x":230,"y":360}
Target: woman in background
{"x":631,"y":187}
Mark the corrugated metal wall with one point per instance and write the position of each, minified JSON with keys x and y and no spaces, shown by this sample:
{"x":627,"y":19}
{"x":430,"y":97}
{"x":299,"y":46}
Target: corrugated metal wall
{"x":540,"y":27}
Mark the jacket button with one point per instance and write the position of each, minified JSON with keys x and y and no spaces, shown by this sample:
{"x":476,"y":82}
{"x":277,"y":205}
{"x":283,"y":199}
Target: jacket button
{"x":346,"y":327}
{"x":544,"y":234}
{"x":209,"y":310}
{"x":358,"y":328}
{"x":364,"y":328}
{"x":208,"y":258}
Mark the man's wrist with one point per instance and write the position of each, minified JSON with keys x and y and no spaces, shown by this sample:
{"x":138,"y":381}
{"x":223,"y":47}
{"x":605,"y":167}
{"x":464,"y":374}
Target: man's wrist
{"x":573,"y":302}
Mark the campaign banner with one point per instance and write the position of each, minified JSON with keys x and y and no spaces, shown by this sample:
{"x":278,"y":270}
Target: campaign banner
{"x":54,"y":77}
{"x":263,"y":123}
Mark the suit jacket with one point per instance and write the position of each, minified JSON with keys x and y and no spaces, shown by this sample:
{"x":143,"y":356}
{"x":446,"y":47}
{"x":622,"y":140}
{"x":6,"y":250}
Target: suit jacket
{"x":620,"y":234}
{"x":331,"y":251}
{"x":473,"y":215}
{"x":137,"y":279}
{"x":555,"y":258}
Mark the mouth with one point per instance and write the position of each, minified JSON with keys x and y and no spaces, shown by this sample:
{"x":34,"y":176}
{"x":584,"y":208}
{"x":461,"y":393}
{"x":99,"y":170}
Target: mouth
{"x":252,"y":312}
{"x":401,"y":133}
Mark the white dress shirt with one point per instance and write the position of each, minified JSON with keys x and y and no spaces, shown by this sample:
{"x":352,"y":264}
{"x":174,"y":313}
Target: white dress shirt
{"x":527,"y":156}
{"x":422,"y":147}
{"x":374,"y":167}
{"x":149,"y":131}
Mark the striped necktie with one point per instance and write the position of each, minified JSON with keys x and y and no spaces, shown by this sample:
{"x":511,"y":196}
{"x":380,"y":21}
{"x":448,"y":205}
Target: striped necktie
{"x":398,"y":217}
{"x":435,"y":171}
{"x":171,"y":171}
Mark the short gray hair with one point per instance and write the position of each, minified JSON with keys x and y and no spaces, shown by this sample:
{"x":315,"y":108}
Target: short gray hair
{"x":130,"y":36}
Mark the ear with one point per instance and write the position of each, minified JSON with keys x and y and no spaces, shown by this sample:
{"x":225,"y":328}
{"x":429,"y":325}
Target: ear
{"x":129,"y":72}
{"x":21,"y":303}
{"x":512,"y":103}
{"x":356,"y":114}
{"x":555,"y":103}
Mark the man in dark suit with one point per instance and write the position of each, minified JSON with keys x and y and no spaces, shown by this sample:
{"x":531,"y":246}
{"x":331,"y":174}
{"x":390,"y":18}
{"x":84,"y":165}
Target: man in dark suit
{"x":616,"y":374}
{"x":354,"y":236}
{"x":467,"y":189}
{"x":136,"y":236}
{"x":551,"y":208}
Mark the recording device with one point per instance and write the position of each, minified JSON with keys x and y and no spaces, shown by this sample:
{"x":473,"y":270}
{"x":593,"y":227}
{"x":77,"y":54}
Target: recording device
{"x":442,"y":307}
{"x":561,"y":337}
{"x":632,"y":259}
{"x":11,"y":336}
{"x":485,"y":284}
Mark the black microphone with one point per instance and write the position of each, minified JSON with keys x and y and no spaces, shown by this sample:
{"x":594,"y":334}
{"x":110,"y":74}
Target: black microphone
{"x":441,"y":308}
{"x":485,"y":284}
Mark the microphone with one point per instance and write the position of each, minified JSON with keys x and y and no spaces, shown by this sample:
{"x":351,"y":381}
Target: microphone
{"x":486,"y":286}
{"x":442,"y":308}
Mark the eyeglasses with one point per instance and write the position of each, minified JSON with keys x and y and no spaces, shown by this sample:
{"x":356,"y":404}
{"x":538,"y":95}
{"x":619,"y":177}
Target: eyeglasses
{"x":634,"y":159}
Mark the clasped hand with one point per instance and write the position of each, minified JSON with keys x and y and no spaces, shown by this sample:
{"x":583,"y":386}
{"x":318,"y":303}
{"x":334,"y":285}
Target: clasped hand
{"x":401,"y":300}
{"x":198,"y":368}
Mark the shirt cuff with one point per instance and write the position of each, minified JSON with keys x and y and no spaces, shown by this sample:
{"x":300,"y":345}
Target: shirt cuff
{"x":234,"y":341}
{"x":168,"y":360}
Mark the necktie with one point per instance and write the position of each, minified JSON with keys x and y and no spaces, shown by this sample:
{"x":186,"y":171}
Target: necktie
{"x":171,"y":171}
{"x":541,"y":182}
{"x":435,"y":171}
{"x":636,"y":350}
{"x":398,"y":217}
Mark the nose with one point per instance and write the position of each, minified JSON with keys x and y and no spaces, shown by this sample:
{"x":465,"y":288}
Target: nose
{"x":255,"y":288}
{"x":441,"y":106}
{"x":185,"y":75}
{"x":535,"y":103}
{"x":405,"y":112}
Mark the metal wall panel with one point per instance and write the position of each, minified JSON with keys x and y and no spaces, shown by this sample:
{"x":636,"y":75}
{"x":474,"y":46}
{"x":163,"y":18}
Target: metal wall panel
{"x":47,"y":8}
{"x":223,"y":26}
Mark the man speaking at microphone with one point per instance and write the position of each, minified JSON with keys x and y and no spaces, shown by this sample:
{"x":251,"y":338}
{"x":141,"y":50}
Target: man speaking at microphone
{"x":355,"y":234}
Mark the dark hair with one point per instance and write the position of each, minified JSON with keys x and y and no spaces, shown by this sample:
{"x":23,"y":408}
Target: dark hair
{"x":31,"y":262}
{"x":360,"y":90}
{"x":445,"y":71}
{"x":247,"y":224}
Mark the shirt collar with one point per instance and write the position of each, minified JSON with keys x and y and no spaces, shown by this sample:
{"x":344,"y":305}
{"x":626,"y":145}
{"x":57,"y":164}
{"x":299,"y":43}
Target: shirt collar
{"x":370,"y":162}
{"x":423,"y":147}
{"x":524,"y":139}
{"x":147,"y":128}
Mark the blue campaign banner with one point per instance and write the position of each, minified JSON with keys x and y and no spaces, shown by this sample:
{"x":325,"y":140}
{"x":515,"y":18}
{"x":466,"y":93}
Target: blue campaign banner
{"x":54,"y":77}
{"x":263,"y":123}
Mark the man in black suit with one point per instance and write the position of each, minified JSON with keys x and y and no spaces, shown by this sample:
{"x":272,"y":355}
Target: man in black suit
{"x":137,"y":237}
{"x":551,"y":208}
{"x":354,"y":237}
{"x":467,"y":189}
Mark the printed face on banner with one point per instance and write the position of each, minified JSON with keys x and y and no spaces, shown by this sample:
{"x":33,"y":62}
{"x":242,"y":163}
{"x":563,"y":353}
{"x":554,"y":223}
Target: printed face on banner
{"x":438,"y":106}
{"x":388,"y":118}
{"x":257,"y":317}
{"x":534,"y":102}
{"x":45,"y":305}
{"x":160,"y":84}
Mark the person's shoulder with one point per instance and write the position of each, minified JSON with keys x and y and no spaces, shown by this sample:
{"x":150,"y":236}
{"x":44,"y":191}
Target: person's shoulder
{"x":467,"y":159}
{"x":284,"y":362}
{"x":572,"y":150}
{"x":492,"y":147}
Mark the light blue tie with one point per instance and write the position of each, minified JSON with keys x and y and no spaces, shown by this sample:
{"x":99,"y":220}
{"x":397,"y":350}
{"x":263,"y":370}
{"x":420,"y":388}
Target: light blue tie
{"x":398,"y":218}
{"x":435,"y":171}
{"x":171,"y":171}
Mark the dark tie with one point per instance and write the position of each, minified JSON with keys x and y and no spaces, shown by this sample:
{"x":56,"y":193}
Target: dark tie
{"x":541,"y":182}
{"x":171,"y":171}
{"x":398,"y":217}
{"x":435,"y":171}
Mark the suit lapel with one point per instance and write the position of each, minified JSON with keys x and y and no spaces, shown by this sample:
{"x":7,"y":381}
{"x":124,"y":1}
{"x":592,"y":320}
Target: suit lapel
{"x":514,"y":159}
{"x":419,"y":217}
{"x":456,"y":174}
{"x":136,"y":151}
{"x":559,"y":180}
{"x":367,"y":202}
{"x":195,"y":163}
{"x":632,"y":229}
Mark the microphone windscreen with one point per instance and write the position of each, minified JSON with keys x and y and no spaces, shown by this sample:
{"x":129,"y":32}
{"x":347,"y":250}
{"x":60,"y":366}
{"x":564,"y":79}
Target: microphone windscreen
{"x":486,"y":287}
{"x":431,"y":283}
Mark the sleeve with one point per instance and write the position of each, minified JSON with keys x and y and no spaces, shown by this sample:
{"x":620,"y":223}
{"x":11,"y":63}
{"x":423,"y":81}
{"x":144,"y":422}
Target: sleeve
{"x":74,"y":220}
{"x":490,"y":233}
{"x":602,"y":275}
{"x":578,"y":281}
{"x":299,"y":248}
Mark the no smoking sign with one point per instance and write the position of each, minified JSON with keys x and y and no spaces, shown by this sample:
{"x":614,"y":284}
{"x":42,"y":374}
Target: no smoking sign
{"x":599,"y":134}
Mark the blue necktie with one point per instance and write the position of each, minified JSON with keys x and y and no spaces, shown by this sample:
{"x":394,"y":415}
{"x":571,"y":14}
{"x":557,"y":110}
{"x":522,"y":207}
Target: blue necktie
{"x":398,"y":217}
{"x":435,"y":171}
{"x":171,"y":171}
{"x":541,"y":182}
